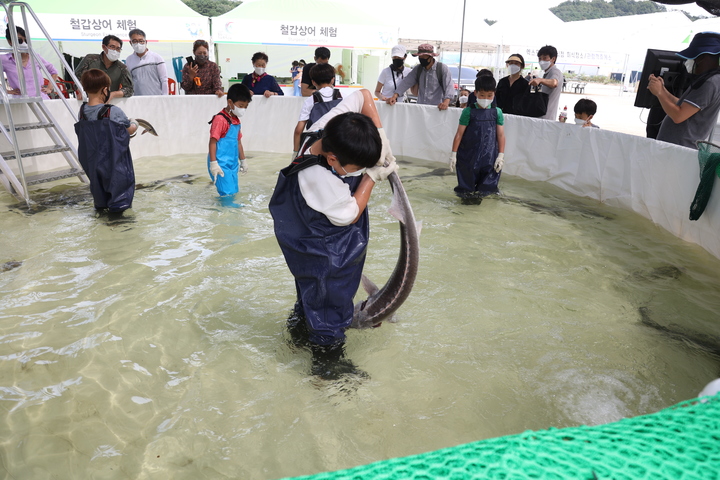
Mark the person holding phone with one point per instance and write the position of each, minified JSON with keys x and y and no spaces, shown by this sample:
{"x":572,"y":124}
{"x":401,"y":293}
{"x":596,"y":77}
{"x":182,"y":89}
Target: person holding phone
{"x":200,"y":76}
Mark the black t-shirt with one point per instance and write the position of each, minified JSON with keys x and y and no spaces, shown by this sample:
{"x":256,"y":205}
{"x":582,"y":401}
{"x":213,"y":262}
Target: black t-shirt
{"x":505,"y":93}
{"x":306,"y":76}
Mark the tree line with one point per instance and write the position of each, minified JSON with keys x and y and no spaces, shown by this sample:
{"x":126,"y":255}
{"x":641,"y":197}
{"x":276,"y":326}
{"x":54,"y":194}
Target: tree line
{"x":574,"y":10}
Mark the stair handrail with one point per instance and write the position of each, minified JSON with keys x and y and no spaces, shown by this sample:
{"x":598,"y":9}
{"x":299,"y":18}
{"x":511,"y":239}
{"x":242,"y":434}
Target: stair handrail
{"x":25,"y":7}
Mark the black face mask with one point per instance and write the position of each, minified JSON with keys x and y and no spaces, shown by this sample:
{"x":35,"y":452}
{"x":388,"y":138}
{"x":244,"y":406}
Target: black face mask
{"x":424,"y":61}
{"x":397,"y":64}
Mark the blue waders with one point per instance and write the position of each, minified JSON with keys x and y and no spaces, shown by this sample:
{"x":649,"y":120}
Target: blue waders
{"x":477,"y":153}
{"x":104,"y":154}
{"x":326,"y":260}
{"x":227,"y":157}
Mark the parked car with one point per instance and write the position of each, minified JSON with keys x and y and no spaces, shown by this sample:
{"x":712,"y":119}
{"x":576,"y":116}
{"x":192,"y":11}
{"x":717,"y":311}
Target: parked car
{"x":467,"y":79}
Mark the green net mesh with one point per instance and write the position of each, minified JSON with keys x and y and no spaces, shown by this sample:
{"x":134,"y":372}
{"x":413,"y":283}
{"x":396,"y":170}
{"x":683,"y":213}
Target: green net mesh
{"x":681,"y":442}
{"x":709,"y":159}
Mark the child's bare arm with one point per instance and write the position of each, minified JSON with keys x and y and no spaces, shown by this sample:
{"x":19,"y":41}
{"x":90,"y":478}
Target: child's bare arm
{"x":296,"y":135}
{"x":241,"y":151}
{"x":212,"y":149}
{"x":501,"y":138}
{"x":132,"y":128}
{"x":362,"y":194}
{"x":458,"y":137}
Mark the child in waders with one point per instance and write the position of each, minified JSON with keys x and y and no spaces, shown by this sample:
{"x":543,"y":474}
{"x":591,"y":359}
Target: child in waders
{"x":321,"y":223}
{"x":103,"y":133}
{"x":319,"y":103}
{"x":479,"y":144}
{"x":226,"y":155}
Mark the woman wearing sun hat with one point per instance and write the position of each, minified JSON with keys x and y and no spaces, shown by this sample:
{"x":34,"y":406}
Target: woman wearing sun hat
{"x":692,"y":117}
{"x":513,"y":85}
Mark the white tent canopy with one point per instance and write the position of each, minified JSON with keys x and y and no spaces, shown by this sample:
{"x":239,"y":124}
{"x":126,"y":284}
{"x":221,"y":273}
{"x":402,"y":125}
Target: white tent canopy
{"x":90,"y":20}
{"x":303,"y":23}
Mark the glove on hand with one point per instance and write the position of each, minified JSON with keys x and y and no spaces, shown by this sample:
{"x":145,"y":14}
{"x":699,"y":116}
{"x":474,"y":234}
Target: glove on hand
{"x":134,"y":122}
{"x":378,"y":174}
{"x":386,"y":156}
{"x":243,"y":166}
{"x":215,"y":170}
{"x":453,"y":161}
{"x":499,"y":162}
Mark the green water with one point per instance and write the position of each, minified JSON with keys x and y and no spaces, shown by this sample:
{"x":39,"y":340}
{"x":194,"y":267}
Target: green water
{"x":154,"y":346}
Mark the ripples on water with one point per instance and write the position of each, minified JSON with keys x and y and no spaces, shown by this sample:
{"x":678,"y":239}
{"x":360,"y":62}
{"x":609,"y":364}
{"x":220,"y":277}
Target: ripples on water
{"x":153,"y":345}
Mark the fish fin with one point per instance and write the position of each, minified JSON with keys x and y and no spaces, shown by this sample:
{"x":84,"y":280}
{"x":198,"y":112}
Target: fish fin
{"x":369,"y":286}
{"x":392,"y":319}
{"x":396,"y":211}
{"x":418,"y":226}
{"x":144,"y":132}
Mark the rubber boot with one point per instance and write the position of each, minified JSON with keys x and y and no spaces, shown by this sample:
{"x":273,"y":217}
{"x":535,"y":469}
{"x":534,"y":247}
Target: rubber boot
{"x":297,"y":327}
{"x":329,"y":362}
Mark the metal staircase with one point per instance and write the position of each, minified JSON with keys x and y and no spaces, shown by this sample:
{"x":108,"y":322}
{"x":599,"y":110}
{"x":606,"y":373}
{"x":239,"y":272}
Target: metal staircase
{"x":15,"y":180}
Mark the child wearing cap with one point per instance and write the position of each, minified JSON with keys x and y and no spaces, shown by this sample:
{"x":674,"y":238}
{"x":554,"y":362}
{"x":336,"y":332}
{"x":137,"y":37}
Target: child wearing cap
{"x":692,"y":116}
{"x":479,"y":144}
{"x":391,"y":76}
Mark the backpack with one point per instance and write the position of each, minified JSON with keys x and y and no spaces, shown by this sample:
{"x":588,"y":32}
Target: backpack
{"x":320,"y":108}
{"x":440,"y":75}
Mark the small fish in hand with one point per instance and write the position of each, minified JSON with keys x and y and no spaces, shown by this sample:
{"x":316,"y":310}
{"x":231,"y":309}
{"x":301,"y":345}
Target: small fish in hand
{"x":146,"y":125}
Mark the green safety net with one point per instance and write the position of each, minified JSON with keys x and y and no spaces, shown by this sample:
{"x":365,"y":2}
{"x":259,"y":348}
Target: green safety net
{"x":681,"y":442}
{"x":709,"y":159}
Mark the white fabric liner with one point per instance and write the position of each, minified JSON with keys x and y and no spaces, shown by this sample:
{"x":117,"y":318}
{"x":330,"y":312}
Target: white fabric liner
{"x":654,"y":179}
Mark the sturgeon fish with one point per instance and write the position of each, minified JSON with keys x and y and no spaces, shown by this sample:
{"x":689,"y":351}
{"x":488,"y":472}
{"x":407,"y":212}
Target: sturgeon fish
{"x":383,"y":302}
{"x":146,"y":125}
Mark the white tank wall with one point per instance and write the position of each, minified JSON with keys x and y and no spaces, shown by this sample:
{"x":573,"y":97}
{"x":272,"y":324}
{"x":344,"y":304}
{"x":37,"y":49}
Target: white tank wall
{"x":655,"y":179}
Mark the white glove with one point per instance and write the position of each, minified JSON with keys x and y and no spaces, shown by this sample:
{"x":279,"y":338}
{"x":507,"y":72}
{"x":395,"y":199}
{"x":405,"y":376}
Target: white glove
{"x":499,"y":162}
{"x":243,"y":166}
{"x":294,"y":155}
{"x":453,"y":161}
{"x":386,"y":157}
{"x":215,"y":170}
{"x":378,"y":174}
{"x":134,"y":122}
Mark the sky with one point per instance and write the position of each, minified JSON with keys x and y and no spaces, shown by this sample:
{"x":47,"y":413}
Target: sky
{"x":433,"y":10}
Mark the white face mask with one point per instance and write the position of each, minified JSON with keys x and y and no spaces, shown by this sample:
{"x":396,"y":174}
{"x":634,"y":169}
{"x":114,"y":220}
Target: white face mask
{"x":350,"y":174}
{"x":139,"y":47}
{"x":580,"y":121}
{"x":463,"y":99}
{"x":544,"y":64}
{"x":239,"y":112}
{"x":259,"y":70}
{"x":690,"y":64}
{"x":514,"y":69}
{"x":113,"y":55}
{"x":484,"y":102}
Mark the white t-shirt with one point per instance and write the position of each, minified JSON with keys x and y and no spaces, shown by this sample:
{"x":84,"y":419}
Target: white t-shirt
{"x":326,"y":93}
{"x":327,"y":194}
{"x":386,"y":78}
{"x":323,"y":191}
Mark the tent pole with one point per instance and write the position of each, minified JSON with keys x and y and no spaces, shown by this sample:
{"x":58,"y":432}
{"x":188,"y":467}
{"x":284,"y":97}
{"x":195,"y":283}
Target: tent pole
{"x":462,"y":38}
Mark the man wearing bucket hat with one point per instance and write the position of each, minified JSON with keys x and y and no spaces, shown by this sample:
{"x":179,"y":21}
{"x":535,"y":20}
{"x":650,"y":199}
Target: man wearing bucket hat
{"x":692,"y":117}
{"x":435,"y":84}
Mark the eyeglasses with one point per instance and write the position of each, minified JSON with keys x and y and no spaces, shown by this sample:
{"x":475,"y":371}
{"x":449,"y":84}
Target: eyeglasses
{"x":135,"y":42}
{"x":112,"y":47}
